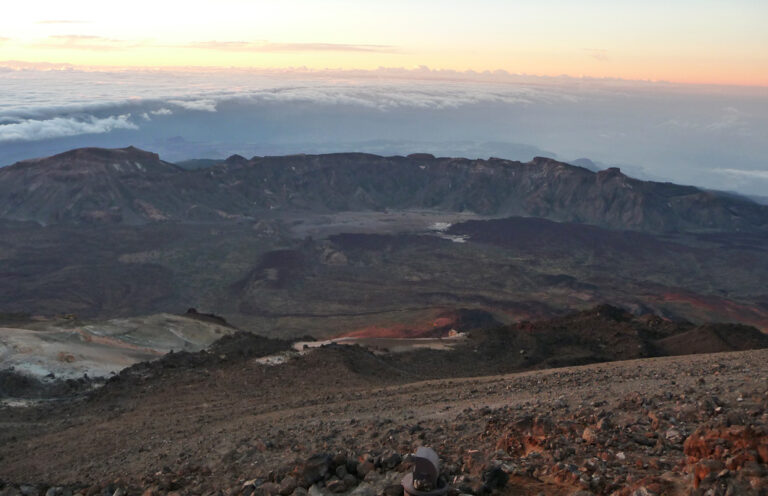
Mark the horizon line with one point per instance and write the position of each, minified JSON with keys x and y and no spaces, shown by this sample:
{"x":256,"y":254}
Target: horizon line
{"x":44,"y":66}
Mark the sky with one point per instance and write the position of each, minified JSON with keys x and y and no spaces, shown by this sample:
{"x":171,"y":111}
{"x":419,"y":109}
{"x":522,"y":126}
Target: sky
{"x":689,"y":41}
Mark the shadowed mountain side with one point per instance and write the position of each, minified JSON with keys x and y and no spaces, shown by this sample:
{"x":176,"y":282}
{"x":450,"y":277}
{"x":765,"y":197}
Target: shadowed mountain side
{"x":132,"y":186}
{"x":601,"y":334}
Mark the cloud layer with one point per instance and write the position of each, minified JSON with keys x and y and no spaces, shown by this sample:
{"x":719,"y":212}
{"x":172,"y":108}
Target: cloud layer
{"x":710,"y":137}
{"x":205,"y":105}
{"x":32,"y":130}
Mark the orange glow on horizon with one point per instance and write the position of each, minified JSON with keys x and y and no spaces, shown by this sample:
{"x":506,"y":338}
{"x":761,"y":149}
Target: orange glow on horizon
{"x":727,"y":73}
{"x":688,"y":41}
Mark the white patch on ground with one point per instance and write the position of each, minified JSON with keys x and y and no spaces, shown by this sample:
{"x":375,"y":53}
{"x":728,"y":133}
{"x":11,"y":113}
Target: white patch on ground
{"x":101,"y":349}
{"x":440,"y":226}
{"x":389,"y":222}
{"x":439,"y":229}
{"x":456,"y":238}
{"x":278,"y":359}
{"x":392,"y":345}
{"x":376,"y":345}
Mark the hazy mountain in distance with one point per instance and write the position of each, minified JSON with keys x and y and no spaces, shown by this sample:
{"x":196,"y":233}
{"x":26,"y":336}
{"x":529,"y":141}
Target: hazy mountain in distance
{"x":132,"y":186}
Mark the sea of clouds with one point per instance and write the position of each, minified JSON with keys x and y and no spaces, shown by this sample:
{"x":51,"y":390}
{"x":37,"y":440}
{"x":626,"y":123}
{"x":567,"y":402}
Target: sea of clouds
{"x":712,"y":137}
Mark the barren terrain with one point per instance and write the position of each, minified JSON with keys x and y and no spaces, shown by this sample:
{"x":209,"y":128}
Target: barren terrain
{"x":214,"y":425}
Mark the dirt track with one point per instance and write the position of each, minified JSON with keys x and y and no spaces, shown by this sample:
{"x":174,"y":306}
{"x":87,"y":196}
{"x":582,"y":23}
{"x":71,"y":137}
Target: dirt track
{"x":244,"y":420}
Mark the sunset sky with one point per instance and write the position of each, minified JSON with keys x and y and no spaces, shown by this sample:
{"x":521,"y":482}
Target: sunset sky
{"x":691,"y":41}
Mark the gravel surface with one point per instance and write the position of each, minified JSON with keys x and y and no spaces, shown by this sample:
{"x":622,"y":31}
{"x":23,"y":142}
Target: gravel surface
{"x":672,"y":425}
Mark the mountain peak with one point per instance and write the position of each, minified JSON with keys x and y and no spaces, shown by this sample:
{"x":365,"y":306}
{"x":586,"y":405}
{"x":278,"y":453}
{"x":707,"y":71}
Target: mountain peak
{"x":236,"y":160}
{"x":421,"y":156}
{"x":129,"y":152}
{"x":87,"y":185}
{"x":541,"y":161}
{"x":611,"y":172}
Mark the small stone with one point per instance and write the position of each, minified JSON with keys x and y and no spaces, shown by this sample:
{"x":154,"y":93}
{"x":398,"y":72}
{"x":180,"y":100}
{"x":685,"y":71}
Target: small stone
{"x":673,"y":435}
{"x":10,"y":491}
{"x":300,"y":491}
{"x":316,"y":467}
{"x":495,"y":478}
{"x":643,"y":491}
{"x":349,"y":480}
{"x":391,"y":460}
{"x":339,"y":459}
{"x":267,"y":489}
{"x":120,"y":492}
{"x":364,"y":467}
{"x":393,"y":490}
{"x":288,"y":485}
{"x":603,"y":424}
{"x":29,"y":490}
{"x":341,"y":471}
{"x":364,"y":489}
{"x":372,"y":476}
{"x":336,"y":486}
{"x":589,"y":436}
{"x":477,"y":487}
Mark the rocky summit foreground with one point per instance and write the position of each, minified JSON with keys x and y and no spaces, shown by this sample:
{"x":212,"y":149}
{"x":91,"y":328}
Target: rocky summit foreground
{"x":332,"y":422}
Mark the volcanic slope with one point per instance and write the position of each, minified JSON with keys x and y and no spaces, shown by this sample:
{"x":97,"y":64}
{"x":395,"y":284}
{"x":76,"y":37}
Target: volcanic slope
{"x":132,"y":186}
{"x":216,"y":422}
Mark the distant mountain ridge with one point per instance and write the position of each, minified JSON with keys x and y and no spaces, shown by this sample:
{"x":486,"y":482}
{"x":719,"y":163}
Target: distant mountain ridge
{"x":132,"y":186}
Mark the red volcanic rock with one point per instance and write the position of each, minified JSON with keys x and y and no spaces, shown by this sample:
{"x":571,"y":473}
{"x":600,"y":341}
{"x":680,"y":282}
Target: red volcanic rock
{"x":710,"y":450}
{"x":743,"y":443}
{"x":440,"y":325}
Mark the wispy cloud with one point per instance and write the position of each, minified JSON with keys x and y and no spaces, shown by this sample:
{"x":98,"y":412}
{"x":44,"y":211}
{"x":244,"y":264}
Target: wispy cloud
{"x":266,"y":46}
{"x":85,"y":42}
{"x":31,"y":130}
{"x":62,"y":21}
{"x":731,"y":120}
{"x":600,"y":54}
{"x":746,"y":174}
{"x":147,"y":116}
{"x":206,"y":104}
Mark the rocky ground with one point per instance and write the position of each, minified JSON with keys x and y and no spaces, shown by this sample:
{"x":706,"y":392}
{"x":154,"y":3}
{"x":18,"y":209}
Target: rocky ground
{"x":341,"y":421}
